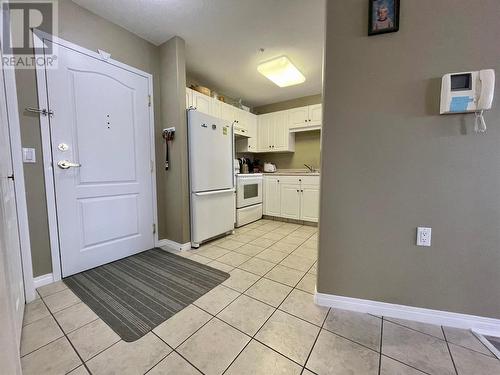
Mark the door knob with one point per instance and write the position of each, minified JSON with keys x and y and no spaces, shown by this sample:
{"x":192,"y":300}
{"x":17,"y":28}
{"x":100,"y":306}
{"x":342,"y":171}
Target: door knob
{"x":64,"y":164}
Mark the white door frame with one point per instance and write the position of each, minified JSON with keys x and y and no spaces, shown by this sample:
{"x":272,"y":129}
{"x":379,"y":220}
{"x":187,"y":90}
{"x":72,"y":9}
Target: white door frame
{"x":19,"y":186}
{"x":39,"y":36}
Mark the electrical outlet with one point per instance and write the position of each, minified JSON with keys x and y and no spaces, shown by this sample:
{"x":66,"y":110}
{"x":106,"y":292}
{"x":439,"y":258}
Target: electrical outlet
{"x":424,"y":236}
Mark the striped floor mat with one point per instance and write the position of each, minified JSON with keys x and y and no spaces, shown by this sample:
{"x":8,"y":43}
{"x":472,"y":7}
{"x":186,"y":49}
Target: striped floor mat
{"x":136,"y":294}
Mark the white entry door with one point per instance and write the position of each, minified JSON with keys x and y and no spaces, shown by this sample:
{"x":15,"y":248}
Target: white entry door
{"x":101,"y":154}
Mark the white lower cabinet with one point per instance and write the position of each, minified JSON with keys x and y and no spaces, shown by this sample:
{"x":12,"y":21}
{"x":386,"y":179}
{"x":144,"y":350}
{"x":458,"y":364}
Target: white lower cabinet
{"x":309,"y":202}
{"x":271,"y":196}
{"x":290,"y":201}
{"x":292,"y":197}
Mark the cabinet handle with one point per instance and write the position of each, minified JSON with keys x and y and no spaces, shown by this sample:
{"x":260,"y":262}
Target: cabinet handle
{"x":300,"y":180}
{"x":298,"y":191}
{"x":302,"y":191}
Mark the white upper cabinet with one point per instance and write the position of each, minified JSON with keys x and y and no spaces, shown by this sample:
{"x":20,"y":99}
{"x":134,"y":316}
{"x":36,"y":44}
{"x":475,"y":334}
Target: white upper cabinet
{"x":270,"y":132}
{"x":282,"y":141}
{"x":298,"y":117}
{"x":315,"y":115}
{"x":241,"y":122}
{"x":227,"y":112}
{"x":202,"y":102}
{"x":216,"y":108}
{"x":248,"y":144}
{"x":263,"y":129}
{"x":273,"y":134}
{"x":189,"y":98}
{"x":305,"y":118}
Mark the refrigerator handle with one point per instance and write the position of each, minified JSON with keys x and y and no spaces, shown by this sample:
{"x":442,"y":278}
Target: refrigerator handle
{"x":215,"y":192}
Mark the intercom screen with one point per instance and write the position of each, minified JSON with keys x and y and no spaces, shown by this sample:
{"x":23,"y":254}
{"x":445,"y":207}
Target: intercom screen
{"x":461,"y":82}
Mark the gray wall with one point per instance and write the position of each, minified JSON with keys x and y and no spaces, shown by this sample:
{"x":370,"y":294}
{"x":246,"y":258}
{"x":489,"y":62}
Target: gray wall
{"x":84,"y":28}
{"x":392,"y":163}
{"x":174,"y":193}
{"x":307,"y":144}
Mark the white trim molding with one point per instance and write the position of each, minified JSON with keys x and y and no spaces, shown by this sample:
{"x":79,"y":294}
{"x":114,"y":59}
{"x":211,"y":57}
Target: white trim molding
{"x":488,"y":344}
{"x":174,"y":246}
{"x":479,"y":324}
{"x":19,"y":185}
{"x":42,"y":280}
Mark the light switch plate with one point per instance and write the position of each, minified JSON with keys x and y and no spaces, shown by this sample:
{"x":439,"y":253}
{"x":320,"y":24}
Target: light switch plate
{"x":424,"y":236}
{"x":29,"y":155}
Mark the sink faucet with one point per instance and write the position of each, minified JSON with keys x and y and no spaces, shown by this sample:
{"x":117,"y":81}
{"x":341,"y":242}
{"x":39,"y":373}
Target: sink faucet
{"x":311,"y":169}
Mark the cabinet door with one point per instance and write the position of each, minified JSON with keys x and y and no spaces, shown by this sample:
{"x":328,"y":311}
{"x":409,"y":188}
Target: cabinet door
{"x":202,"y":102}
{"x":252,"y":132}
{"x":227,"y":112}
{"x":189,"y":98}
{"x":298,"y":117}
{"x":271,"y":196}
{"x":309,"y":203}
{"x":251,"y":124}
{"x":215,"y":108}
{"x":280,"y":134}
{"x":290,"y":201}
{"x":315,"y":115}
{"x":263,"y":127}
{"x":241,"y":118}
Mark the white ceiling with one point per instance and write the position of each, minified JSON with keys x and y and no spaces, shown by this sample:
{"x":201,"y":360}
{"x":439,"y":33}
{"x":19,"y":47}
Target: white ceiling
{"x":223,"y":38}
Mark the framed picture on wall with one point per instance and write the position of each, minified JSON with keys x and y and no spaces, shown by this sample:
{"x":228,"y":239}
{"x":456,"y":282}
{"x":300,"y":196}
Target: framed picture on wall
{"x":383,"y":17}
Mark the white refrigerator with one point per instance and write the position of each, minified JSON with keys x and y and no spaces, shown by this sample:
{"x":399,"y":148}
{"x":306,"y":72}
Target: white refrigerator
{"x":211,"y":176}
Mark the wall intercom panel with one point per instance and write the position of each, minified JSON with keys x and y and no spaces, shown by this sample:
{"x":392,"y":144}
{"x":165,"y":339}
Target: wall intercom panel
{"x":467,"y":92}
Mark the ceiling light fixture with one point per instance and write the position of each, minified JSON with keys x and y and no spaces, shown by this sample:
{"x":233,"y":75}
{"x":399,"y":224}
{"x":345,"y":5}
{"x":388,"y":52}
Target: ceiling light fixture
{"x":281,"y":71}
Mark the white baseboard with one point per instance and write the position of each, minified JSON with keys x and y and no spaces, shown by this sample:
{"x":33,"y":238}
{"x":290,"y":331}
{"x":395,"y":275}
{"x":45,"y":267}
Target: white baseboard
{"x":174,"y":246}
{"x":479,"y":324}
{"x":43,"y":280}
{"x":489,"y":345}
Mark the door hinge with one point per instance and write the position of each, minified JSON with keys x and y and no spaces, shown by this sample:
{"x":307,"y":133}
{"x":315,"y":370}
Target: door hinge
{"x":154,"y":228}
{"x":149,"y":100}
{"x":11,"y":177}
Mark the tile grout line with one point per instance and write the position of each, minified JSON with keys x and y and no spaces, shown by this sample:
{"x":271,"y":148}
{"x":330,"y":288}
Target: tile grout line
{"x":173,"y":351}
{"x":315,"y":341}
{"x":406,"y":364}
{"x":380,"y":347}
{"x":68,"y":340}
{"x":435,"y":337}
{"x":275,"y":308}
{"x":265,"y":322}
{"x":256,"y":333}
{"x":449,"y":351}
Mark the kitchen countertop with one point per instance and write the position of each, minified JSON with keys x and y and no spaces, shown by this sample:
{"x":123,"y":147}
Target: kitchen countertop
{"x":292,"y":172}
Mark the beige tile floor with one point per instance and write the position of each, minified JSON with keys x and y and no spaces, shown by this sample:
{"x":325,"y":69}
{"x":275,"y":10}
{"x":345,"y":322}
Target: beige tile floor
{"x":262,"y":320}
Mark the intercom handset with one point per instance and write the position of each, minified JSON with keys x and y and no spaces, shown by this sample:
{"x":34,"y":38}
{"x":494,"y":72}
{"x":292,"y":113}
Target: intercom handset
{"x":468,"y":92}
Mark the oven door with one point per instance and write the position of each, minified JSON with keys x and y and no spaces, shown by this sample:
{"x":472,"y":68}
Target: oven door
{"x":248,"y":191}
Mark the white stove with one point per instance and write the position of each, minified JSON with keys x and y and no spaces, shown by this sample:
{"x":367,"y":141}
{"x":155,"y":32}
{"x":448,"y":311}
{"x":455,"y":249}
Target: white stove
{"x":248,"y":198}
